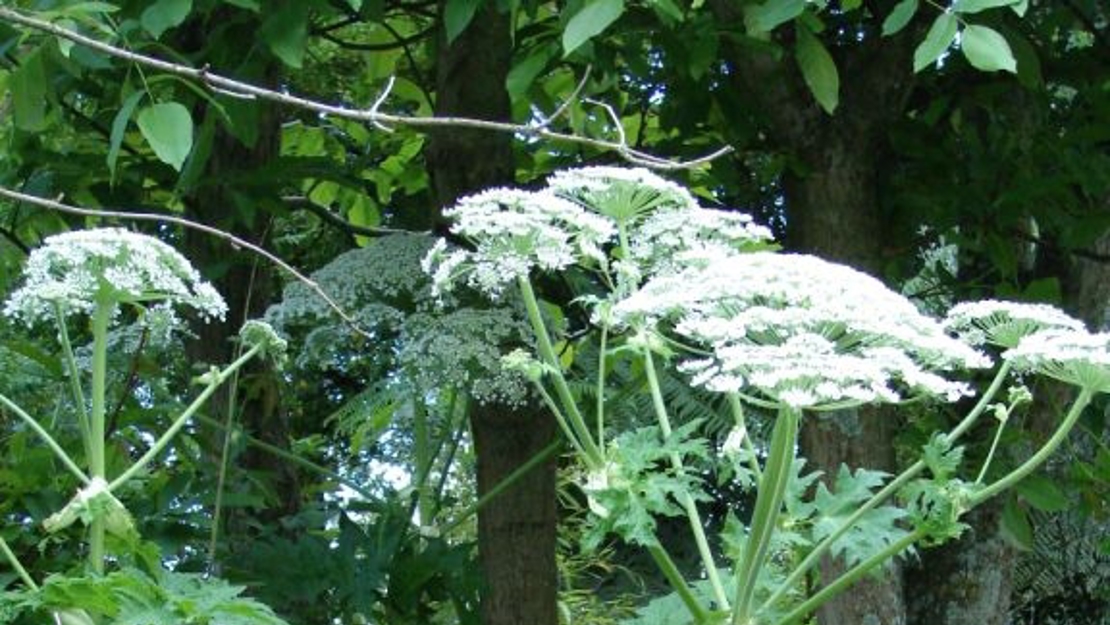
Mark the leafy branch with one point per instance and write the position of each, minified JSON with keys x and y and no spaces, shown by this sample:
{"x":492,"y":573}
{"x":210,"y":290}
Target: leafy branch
{"x":239,"y":89}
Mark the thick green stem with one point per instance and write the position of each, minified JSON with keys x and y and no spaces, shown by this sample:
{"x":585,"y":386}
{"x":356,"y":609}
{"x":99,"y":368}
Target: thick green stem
{"x":674,"y":577}
{"x":213,"y":384}
{"x":46,"y":438}
{"x":17,"y":565}
{"x":102,"y":315}
{"x":687,"y":501}
{"x":80,"y":407}
{"x":593,"y":455}
{"x":768,"y":505}
{"x":544,"y":455}
{"x":851,"y":576}
{"x":1038,"y":458}
{"x":888,"y":491}
{"x":422,"y":459}
{"x":738,"y":417}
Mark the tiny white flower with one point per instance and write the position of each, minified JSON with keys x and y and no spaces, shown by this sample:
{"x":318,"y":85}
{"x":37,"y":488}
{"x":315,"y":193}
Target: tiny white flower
{"x":1074,"y":356}
{"x":800,"y":331}
{"x":515,"y":232}
{"x":77,"y":271}
{"x":1004,"y":324}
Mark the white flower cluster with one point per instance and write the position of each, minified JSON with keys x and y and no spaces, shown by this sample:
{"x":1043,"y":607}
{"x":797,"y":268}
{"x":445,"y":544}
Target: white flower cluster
{"x":516,"y":231}
{"x":77,"y":271}
{"x":801,"y":331}
{"x":1074,"y":356}
{"x":575,"y":219}
{"x":1004,"y":324}
{"x":383,"y":288}
{"x":464,"y":348}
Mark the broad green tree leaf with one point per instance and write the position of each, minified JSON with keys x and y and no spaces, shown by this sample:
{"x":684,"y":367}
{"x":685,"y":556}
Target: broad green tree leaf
{"x":763,"y":18}
{"x":164,"y":15}
{"x":250,"y":5}
{"x":119,"y":128}
{"x":587,"y":23}
{"x":457,"y":15}
{"x":818,"y":69}
{"x":524,"y":73}
{"x":27,"y":85}
{"x":941,"y":35}
{"x":901,"y":15}
{"x":1042,"y":493}
{"x":987,"y":50}
{"x":168,"y":128}
{"x":975,"y":6}
{"x":286,"y":33}
{"x":1015,"y":526}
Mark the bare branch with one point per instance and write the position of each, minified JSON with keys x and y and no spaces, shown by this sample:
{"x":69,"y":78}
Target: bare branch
{"x":300,"y":201}
{"x":235,"y":241}
{"x":222,"y":84}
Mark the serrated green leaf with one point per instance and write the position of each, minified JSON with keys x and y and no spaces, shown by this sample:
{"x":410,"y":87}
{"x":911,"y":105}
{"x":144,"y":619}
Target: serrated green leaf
{"x":589,"y":22}
{"x":975,"y":6}
{"x":457,"y":15}
{"x":164,"y":15}
{"x":28,"y":92}
{"x":987,"y":50}
{"x":1015,"y":526}
{"x":818,"y":70}
{"x":941,"y":35}
{"x":941,"y":458}
{"x":168,"y":128}
{"x":286,"y":33}
{"x":1042,"y":493}
{"x":119,"y":129}
{"x":901,"y":15}
{"x":763,"y":18}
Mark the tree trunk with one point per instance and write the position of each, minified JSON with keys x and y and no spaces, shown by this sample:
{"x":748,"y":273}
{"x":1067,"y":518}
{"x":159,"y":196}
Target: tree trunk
{"x":516,"y":530}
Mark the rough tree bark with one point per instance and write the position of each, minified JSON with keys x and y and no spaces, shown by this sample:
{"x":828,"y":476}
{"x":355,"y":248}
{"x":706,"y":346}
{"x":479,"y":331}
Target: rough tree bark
{"x":516,"y":530}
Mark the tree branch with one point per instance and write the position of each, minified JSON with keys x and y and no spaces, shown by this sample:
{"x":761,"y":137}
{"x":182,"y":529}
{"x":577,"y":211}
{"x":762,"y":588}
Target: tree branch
{"x":302,"y":202}
{"x":236,"y":88}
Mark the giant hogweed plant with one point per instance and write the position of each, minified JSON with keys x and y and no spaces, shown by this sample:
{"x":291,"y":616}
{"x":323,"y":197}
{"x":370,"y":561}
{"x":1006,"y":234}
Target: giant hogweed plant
{"x":108,"y":278}
{"x":703,"y":291}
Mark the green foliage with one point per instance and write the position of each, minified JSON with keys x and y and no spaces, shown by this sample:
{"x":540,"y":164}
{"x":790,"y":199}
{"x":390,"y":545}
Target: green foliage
{"x":634,"y":489}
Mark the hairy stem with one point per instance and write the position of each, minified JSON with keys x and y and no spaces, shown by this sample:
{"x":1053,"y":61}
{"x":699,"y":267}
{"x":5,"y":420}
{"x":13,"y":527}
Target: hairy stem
{"x":213,"y":384}
{"x":887,"y":492}
{"x":687,"y":501}
{"x":101,"y":317}
{"x":592,"y":453}
{"x":1042,"y":454}
{"x":17,"y":565}
{"x":46,"y":438}
{"x":768,"y":504}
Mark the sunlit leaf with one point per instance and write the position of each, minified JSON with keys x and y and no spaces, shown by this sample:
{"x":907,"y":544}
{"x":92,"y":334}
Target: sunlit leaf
{"x":941,"y":35}
{"x":975,"y":6}
{"x":763,"y":18}
{"x":594,"y":18}
{"x":164,"y":15}
{"x":987,"y":50}
{"x":901,"y":15}
{"x":168,"y":128}
{"x":818,"y":70}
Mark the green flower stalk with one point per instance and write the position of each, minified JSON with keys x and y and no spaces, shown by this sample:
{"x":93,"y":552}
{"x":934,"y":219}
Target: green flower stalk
{"x":96,"y":273}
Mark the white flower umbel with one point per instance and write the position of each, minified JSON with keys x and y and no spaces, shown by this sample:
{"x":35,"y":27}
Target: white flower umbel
{"x":1004,"y":324}
{"x":1074,"y":356}
{"x":620,"y":193}
{"x":672,"y":239}
{"x":74,"y":272}
{"x":801,"y":331}
{"x":514,"y":232}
